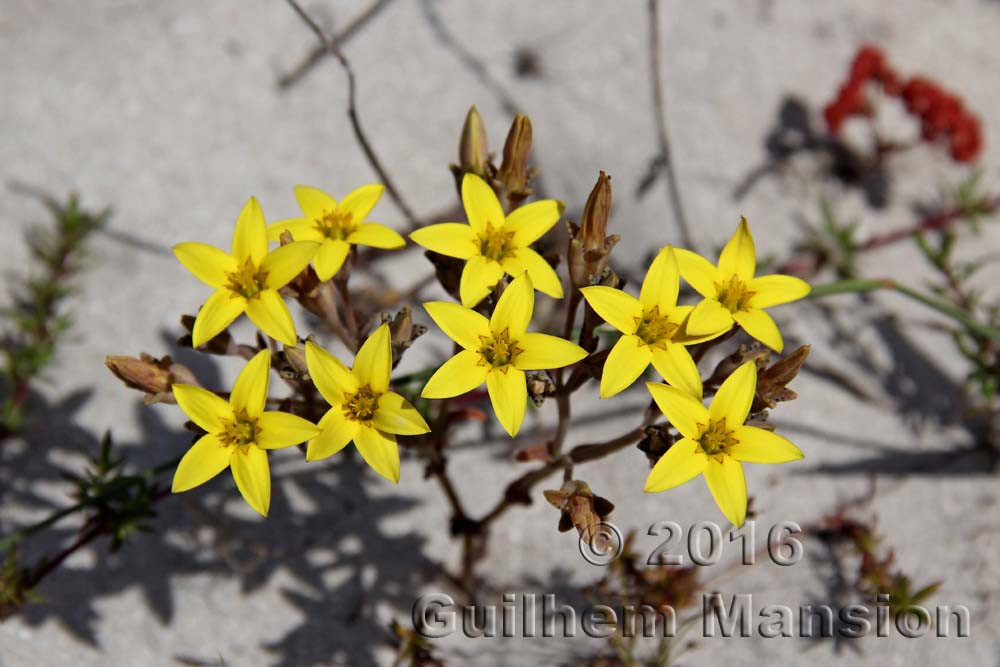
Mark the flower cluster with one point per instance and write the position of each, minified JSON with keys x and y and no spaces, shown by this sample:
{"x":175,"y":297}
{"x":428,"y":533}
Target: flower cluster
{"x":238,"y":432}
{"x":490,"y":327}
{"x":941,"y":114}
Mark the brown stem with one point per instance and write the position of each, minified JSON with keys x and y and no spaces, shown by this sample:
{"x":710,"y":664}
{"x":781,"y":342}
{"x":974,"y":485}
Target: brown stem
{"x":660,"y":110}
{"x":319,"y":52}
{"x":331,"y":47}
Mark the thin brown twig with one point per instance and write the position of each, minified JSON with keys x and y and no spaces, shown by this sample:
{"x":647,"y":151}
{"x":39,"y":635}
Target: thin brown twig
{"x":660,"y":111}
{"x":331,"y":47}
{"x":315,"y":56}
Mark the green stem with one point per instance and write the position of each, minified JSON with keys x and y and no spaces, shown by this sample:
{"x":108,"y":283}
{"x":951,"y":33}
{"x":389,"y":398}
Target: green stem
{"x":859,"y":285}
{"x":55,"y":517}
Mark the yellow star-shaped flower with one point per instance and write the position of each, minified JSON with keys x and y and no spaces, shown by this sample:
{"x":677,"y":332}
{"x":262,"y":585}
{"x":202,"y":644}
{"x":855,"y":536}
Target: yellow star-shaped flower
{"x":654,"y":329}
{"x":733,"y":294}
{"x":337,"y":226}
{"x":239,"y":433}
{"x":494,"y":244}
{"x":497,"y":351}
{"x":362,"y":407}
{"x":715,"y":441}
{"x":247,"y":280}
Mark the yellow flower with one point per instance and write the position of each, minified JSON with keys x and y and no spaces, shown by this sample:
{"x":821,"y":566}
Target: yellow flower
{"x":714,"y":441}
{"x":497,"y":351}
{"x":337,"y":226}
{"x":732,"y":293}
{"x":494,"y":244}
{"x":239,"y":433}
{"x":247,"y":280}
{"x":654,"y":327}
{"x":362,"y":407}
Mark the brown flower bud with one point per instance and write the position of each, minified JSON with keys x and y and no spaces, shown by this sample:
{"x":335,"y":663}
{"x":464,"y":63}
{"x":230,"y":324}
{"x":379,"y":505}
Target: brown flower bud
{"x":772,"y":382}
{"x":514,"y":173}
{"x":295,"y":358}
{"x":579,"y":508}
{"x":589,"y":244}
{"x":473,"y":150}
{"x":540,"y":386}
{"x":150,"y":375}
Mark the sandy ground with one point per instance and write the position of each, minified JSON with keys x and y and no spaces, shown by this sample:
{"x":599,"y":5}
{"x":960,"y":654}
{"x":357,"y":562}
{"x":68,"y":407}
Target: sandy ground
{"x":170,"y":113}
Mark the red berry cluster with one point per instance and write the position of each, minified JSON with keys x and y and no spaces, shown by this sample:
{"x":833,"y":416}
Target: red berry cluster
{"x":942,"y":115}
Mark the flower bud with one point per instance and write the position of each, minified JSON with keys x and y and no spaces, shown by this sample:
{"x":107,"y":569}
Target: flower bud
{"x":589,"y":243}
{"x":514,"y":173}
{"x":473,"y":150}
{"x":153,"y":376}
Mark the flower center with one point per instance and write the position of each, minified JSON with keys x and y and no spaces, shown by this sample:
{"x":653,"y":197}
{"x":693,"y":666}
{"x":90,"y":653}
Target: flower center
{"x":495,"y":243}
{"x":248,"y":280}
{"x":734,"y":294}
{"x":717,"y":438}
{"x":335,"y":224}
{"x":362,"y":405}
{"x":655,"y":328}
{"x":241,"y":432}
{"x":499,"y":350}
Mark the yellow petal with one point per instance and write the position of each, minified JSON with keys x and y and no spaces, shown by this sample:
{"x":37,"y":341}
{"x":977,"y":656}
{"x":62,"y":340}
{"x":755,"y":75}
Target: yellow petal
{"x":460,"y":374}
{"x":685,"y":412}
{"x":700,"y":273}
{"x":620,"y":310}
{"x":379,"y":450}
{"x":330,"y":257}
{"x":479,"y":277}
{"x":333,"y":379}
{"x":250,"y":389}
{"x":301,"y":229}
{"x":206,"y":459}
{"x":509,"y":396}
{"x":545,"y":352}
{"x":377,"y":236}
{"x":453,"y":239}
{"x":209,"y":265}
{"x":776,"y":289}
{"x":761,"y":326}
{"x":543,"y":276}
{"x":677,"y":367}
{"x":281,"y":429}
{"x":250,"y":236}
{"x":684,"y":461}
{"x":396,"y":415}
{"x":729,"y":487}
{"x":739,"y":257}
{"x":463,"y":325}
{"x":481,"y":204}
{"x":628,"y":359}
{"x":757,"y":445}
{"x":733,"y":400}
{"x":530,"y":222}
{"x":253,"y":477}
{"x":662,"y":282}
{"x":373,"y":363}
{"x":314,"y":202}
{"x":336,"y":430}
{"x":202,"y":406}
{"x":287,"y":261}
{"x":709,"y":317}
{"x":218,"y":313}
{"x":361,"y":201}
{"x":268,"y":311}
{"x":514,"y":307}
{"x":682,"y":336}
